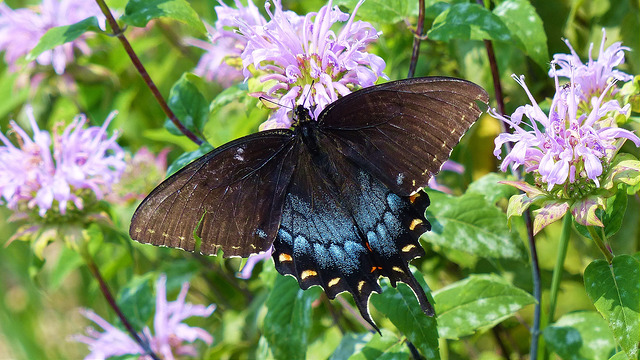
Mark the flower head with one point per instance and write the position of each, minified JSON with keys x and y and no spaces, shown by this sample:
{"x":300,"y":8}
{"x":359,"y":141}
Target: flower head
{"x":594,"y":76}
{"x":21,"y":29}
{"x":43,"y":172}
{"x":171,"y":336}
{"x":569,"y":152}
{"x":142,"y":173}
{"x":299,"y":55}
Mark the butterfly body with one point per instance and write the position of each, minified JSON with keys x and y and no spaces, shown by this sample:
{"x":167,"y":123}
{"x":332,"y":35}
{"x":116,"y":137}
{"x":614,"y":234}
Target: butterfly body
{"x":337,"y":197}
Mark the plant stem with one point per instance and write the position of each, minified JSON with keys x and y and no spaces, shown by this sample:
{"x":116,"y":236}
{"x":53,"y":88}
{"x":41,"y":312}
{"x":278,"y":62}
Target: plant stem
{"x":417,"y":38}
{"x":535,"y":268}
{"x":112,"y":302}
{"x":535,"y":274}
{"x":598,"y":239}
{"x":117,"y":31}
{"x":559,"y":267}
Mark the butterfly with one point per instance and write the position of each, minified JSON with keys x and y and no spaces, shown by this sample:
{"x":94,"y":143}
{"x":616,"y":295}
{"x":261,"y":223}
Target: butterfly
{"x":338,"y":197}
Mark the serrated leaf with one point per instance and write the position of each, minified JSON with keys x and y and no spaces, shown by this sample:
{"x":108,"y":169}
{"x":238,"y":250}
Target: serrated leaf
{"x":402,"y":308}
{"x":477,"y":303}
{"x":385,"y":347}
{"x":140,"y":12}
{"x":615,"y":291}
{"x":63,"y":34}
{"x":136,"y":300}
{"x":524,"y":23}
{"x":188,"y":157}
{"x":580,"y":335}
{"x":470,"y":223}
{"x":188,"y":104}
{"x":288,"y":320}
{"x":469,"y":21}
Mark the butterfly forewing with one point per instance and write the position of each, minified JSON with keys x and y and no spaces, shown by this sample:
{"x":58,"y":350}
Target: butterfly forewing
{"x":231,"y":198}
{"x":403,"y":131}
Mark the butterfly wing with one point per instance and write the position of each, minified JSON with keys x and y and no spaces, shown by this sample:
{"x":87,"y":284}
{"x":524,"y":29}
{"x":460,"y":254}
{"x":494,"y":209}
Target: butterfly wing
{"x":231,"y":198}
{"x":342,"y":229}
{"x":403,"y":131}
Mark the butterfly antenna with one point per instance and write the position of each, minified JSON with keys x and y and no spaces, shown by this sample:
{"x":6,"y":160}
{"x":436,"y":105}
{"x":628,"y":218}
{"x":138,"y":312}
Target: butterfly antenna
{"x":265,"y":100}
{"x":307,"y":96}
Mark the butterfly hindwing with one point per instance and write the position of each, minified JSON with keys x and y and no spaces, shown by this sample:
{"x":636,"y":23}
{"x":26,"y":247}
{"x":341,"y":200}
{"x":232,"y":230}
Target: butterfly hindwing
{"x":403,"y":131}
{"x":342,"y":229}
{"x":231,"y":197}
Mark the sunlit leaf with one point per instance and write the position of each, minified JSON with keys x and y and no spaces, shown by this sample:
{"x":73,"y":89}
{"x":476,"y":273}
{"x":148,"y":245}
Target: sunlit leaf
{"x":477,"y":303}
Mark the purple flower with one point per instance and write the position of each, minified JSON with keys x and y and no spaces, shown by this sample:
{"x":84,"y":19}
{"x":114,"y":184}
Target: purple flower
{"x":593,"y":77}
{"x":142,"y":173}
{"x":566,"y":147}
{"x":40,"y":172}
{"x":225,"y":45}
{"x":448,"y":165}
{"x":21,"y":29}
{"x":247,"y":269}
{"x":300,"y":55}
{"x":170,"y":333}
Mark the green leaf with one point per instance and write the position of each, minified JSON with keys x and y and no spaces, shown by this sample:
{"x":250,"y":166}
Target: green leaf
{"x":619,"y":356}
{"x":524,"y":23}
{"x":233,"y":114}
{"x":350,"y":344}
{"x":288,"y":319}
{"x":477,"y":303}
{"x":470,"y":223}
{"x":188,"y":104}
{"x":490,"y":187}
{"x":136,"y":300}
{"x":611,"y":217}
{"x":580,"y":335}
{"x":382,"y":11}
{"x":140,"y":12}
{"x":63,"y":34}
{"x":385,"y":347}
{"x":188,"y":157}
{"x":615,"y":291}
{"x":402,"y":308}
{"x":469,"y":21}
{"x":68,"y":260}
{"x":550,"y":212}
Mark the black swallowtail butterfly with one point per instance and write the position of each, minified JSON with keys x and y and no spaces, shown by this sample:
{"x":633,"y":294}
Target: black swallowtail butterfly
{"x":338,"y":198}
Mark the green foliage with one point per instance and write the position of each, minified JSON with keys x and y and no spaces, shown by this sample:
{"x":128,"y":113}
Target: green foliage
{"x":403,"y":309}
{"x":580,"y":336}
{"x":140,"y":12}
{"x":477,"y":303}
{"x":470,"y":223}
{"x":63,"y":34}
{"x":615,"y":291}
{"x":288,"y":319}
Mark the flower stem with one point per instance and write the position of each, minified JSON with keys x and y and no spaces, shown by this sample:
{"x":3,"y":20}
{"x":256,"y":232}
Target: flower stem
{"x":417,"y":38}
{"x":535,"y":274}
{"x":559,"y":267}
{"x":112,"y":302}
{"x":117,"y":31}
{"x":598,"y":239}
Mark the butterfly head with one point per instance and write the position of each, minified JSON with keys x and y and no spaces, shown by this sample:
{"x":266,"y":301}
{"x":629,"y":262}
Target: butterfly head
{"x":302,"y":115}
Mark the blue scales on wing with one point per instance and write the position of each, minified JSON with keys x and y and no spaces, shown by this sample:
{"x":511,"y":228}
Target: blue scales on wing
{"x":342,"y":229}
